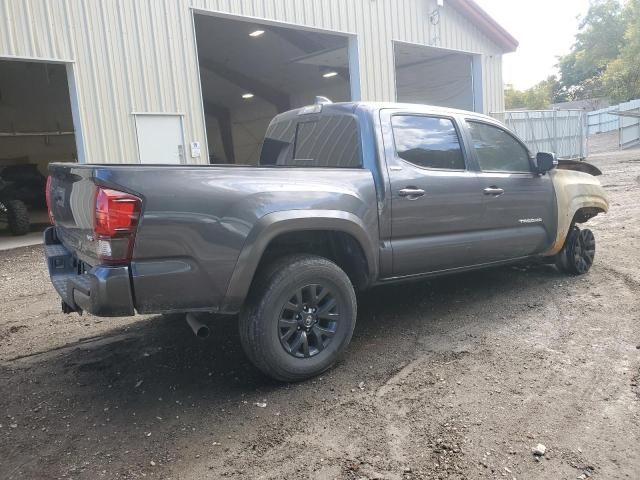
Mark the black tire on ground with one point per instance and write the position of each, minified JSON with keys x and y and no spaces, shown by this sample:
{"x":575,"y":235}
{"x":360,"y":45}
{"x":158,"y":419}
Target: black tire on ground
{"x":299,"y":317}
{"x":17,"y":217}
{"x":576,"y":257}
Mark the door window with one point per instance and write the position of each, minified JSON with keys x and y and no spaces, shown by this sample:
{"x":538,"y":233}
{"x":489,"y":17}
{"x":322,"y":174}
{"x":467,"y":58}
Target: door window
{"x":429,"y":142}
{"x":497,"y":150}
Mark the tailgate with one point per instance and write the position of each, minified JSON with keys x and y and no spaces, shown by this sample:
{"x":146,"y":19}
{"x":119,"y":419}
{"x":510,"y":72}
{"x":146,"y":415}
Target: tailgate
{"x":72,"y":198}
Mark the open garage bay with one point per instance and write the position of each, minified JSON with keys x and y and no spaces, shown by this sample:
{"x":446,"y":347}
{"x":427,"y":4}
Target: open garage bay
{"x":251,"y":71}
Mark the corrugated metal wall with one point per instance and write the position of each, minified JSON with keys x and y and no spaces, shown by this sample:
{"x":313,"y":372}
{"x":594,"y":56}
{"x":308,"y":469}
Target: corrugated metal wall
{"x":140,"y":56}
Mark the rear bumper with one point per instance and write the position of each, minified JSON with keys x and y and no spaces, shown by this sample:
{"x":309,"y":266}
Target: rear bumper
{"x":103,"y":291}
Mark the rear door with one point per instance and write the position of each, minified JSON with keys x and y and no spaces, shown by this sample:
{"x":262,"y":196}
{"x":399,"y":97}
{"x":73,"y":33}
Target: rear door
{"x":436,"y":199}
{"x":519,"y":204}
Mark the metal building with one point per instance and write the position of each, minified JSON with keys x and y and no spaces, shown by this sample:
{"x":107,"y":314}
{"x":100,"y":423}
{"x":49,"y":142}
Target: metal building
{"x":197,"y":81}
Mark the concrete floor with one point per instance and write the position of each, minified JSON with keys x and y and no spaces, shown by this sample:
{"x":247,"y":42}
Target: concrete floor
{"x":8,"y":242}
{"x":39,"y":221}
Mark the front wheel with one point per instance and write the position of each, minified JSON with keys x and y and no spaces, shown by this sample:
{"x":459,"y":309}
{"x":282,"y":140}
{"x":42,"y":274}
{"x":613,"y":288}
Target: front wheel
{"x":299,"y":317}
{"x":576,"y":257}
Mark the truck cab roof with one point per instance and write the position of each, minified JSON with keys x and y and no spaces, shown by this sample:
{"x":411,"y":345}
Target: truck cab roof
{"x":372,"y":107}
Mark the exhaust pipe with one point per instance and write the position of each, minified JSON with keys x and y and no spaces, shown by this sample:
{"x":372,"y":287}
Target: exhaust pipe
{"x":200,"y":330}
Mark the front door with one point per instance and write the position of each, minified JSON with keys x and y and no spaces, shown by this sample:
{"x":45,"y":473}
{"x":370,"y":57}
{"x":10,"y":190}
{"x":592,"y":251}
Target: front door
{"x":436,"y":200}
{"x":520,"y":211}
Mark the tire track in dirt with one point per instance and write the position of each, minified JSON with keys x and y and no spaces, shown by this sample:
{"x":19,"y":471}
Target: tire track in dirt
{"x":394,"y":412}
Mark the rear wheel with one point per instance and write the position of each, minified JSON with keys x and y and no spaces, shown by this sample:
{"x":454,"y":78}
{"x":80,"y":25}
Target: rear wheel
{"x":576,"y":257}
{"x":299,"y":317}
{"x":17,"y":217}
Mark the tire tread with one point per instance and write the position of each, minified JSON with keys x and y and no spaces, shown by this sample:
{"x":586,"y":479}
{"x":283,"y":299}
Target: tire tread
{"x":267,"y":280}
{"x":18,"y":217}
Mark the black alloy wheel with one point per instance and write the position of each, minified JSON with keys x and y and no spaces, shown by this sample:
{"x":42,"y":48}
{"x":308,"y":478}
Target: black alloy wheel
{"x":578,"y":253}
{"x":308,"y":320}
{"x":584,"y":251}
{"x":298,"y":318}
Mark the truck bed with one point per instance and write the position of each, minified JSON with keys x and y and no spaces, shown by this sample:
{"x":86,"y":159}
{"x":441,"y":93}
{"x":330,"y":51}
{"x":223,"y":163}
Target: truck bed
{"x":196,"y":221}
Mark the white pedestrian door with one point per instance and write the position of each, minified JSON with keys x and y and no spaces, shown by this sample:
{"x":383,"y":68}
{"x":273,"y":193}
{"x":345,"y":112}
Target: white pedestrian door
{"x":160,"y":138}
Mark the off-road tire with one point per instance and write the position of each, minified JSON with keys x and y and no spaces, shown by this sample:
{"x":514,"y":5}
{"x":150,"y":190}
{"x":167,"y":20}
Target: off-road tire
{"x":261,"y":319}
{"x":578,"y":252}
{"x":17,"y":217}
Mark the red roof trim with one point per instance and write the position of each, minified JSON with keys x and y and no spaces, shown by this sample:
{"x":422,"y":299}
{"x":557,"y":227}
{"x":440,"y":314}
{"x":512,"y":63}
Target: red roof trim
{"x":475,"y":13}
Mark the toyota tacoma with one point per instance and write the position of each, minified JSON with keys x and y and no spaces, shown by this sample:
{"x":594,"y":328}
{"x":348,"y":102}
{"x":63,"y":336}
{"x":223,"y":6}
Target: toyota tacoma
{"x":346,"y":196}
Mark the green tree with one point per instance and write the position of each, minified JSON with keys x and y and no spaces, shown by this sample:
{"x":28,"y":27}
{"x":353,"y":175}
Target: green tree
{"x":513,"y":99}
{"x":621,"y":79}
{"x":556,"y":92}
{"x":598,"y":42}
{"x":538,"y":97}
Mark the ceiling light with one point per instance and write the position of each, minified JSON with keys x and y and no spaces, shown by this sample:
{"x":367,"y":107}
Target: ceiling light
{"x":256,"y":33}
{"x":329,"y":74}
{"x":247,"y":96}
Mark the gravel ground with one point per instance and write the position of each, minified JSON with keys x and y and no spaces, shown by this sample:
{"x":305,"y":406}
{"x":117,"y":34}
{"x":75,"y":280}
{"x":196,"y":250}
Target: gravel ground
{"x":603,"y":142}
{"x":458,"y":377}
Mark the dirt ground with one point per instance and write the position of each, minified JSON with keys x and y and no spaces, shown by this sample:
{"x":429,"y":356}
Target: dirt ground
{"x":457,"y":377}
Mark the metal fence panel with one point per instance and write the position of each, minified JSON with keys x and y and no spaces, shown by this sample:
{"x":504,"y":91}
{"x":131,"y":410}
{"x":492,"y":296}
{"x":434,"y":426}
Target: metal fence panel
{"x":629,"y":123}
{"x":601,"y":121}
{"x":622,"y":117}
{"x":629,"y":131}
{"x":559,"y":131}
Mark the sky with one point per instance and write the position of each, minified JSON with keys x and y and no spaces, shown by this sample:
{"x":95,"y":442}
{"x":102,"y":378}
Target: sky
{"x":545,"y":30}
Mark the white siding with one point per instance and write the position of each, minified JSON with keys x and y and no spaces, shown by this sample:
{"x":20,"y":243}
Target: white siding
{"x":140,"y":56}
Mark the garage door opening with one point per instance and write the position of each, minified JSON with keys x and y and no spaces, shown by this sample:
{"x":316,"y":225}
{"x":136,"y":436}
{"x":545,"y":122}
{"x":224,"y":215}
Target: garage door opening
{"x":250,"y":72}
{"x":36,"y":128}
{"x":434,"y":76}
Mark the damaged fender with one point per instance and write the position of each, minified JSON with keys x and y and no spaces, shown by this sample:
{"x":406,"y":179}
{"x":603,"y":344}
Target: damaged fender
{"x":575,"y":190}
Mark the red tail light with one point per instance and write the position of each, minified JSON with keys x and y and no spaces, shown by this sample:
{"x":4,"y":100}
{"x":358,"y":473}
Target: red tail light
{"x":47,"y":196}
{"x":116,"y":213}
{"x":116,"y":218}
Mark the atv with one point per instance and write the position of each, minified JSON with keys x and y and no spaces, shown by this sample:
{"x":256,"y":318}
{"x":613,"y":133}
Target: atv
{"x":13,"y":211}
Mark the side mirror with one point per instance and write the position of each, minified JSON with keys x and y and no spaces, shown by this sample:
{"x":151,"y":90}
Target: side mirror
{"x":546,"y":161}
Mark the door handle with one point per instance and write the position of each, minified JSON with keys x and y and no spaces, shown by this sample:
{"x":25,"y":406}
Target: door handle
{"x":495,"y":191}
{"x":411,"y":192}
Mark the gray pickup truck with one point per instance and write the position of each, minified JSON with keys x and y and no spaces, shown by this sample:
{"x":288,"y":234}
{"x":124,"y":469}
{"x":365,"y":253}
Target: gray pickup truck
{"x":346,"y":196}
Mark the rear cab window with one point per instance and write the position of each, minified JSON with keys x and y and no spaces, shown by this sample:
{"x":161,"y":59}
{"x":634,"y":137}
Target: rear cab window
{"x":497,"y":150}
{"x":321,"y":141}
{"x":428,"y":141}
